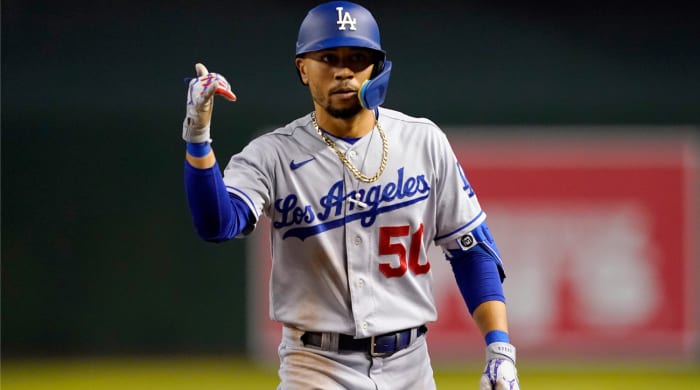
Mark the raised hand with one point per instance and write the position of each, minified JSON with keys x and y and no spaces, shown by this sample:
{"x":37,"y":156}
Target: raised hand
{"x":200,"y":103}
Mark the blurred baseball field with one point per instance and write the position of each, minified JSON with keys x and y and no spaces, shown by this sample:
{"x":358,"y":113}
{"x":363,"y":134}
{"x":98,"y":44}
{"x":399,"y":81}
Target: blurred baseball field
{"x":229,"y":373}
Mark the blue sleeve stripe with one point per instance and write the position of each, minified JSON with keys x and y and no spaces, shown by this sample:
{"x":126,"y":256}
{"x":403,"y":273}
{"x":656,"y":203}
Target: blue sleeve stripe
{"x":466,"y":225}
{"x":243,"y":196}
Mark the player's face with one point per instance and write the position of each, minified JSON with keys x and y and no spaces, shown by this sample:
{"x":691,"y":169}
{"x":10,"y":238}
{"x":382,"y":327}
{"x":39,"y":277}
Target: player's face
{"x":335,"y":75}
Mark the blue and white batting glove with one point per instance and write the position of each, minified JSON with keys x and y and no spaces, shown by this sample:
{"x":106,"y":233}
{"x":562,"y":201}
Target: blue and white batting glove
{"x":200,"y":103}
{"x":500,"y":372}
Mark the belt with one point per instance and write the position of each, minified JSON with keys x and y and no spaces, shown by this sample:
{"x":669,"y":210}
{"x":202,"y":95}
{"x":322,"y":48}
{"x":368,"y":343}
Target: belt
{"x":375,"y":346}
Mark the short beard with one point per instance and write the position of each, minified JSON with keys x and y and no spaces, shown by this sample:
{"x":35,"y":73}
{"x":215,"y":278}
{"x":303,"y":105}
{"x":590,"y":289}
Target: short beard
{"x":344,"y":113}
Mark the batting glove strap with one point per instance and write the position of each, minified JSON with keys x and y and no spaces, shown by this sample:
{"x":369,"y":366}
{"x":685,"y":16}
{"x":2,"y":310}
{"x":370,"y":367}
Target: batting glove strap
{"x":192,"y":133}
{"x":500,"y":350}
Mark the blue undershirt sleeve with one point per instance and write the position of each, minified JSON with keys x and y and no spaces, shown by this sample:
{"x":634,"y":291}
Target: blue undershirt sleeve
{"x":478,"y":276}
{"x":217,"y":215}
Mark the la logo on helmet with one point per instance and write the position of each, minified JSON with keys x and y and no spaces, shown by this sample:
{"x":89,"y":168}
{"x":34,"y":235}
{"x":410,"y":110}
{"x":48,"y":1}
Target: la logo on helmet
{"x":345,"y":18}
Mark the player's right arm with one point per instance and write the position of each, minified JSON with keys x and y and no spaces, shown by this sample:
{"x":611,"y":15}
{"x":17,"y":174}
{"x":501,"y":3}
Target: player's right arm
{"x":216,"y":214}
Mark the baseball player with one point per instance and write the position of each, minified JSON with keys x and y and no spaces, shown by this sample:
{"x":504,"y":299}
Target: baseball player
{"x":355,"y":193}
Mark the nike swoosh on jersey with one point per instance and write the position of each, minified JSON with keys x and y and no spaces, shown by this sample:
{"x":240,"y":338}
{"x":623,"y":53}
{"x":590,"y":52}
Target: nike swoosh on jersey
{"x":295,"y":165}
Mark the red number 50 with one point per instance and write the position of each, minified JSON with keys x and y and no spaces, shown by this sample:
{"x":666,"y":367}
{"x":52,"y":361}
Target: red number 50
{"x":386,"y":247}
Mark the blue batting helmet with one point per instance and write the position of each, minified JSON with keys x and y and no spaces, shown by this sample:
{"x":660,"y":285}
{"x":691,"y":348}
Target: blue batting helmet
{"x":336,"y":24}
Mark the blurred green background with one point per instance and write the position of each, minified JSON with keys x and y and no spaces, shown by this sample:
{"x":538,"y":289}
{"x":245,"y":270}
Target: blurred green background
{"x":98,"y":253}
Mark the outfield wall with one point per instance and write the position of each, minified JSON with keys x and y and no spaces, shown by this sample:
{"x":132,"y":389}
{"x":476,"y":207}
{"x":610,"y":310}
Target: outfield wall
{"x":598,"y":234}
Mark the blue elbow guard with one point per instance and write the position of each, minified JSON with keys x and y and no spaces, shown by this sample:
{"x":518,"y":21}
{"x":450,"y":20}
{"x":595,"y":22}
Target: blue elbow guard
{"x":477,"y":267}
{"x":480,"y":237}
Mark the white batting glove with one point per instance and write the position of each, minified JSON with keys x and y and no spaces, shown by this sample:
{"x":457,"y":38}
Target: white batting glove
{"x":500,"y":372}
{"x":200,"y":103}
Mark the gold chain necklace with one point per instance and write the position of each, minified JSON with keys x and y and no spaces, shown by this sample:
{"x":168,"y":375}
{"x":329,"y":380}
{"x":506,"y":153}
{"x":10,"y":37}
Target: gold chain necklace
{"x":359,"y":175}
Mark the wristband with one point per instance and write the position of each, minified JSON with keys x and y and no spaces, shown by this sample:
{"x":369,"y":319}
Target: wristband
{"x":199,"y":149}
{"x":496,"y":336}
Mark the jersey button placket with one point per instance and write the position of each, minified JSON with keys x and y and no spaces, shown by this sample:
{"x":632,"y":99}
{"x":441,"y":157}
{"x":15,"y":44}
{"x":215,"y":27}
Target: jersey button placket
{"x":359,"y":269}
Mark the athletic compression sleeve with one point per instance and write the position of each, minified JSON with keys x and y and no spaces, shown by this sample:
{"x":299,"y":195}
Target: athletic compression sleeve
{"x":478,"y":276}
{"x":217,"y":216}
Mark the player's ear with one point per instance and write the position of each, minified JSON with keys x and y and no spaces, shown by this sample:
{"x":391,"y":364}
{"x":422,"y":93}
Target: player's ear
{"x":301,"y":68}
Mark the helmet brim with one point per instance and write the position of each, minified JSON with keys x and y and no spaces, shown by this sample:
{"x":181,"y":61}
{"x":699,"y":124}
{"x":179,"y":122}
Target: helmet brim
{"x":334,"y":42}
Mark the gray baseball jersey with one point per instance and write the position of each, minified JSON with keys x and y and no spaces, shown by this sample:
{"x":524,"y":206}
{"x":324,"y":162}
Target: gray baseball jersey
{"x":348,"y":256}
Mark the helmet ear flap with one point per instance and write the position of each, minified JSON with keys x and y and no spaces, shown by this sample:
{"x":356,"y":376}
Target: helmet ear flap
{"x":373,"y":91}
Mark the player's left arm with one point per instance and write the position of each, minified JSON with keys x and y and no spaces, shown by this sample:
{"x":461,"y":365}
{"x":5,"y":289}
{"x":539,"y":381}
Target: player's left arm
{"x":478,"y":269}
